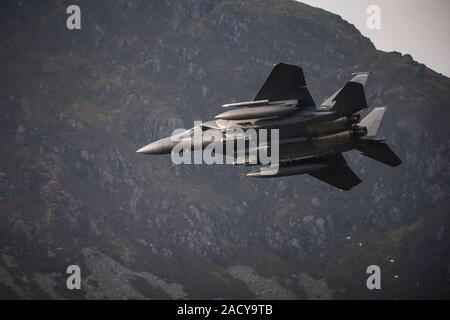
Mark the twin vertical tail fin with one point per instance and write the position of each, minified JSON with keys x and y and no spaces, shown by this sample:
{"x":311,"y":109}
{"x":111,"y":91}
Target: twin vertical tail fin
{"x":373,"y":121}
{"x":286,"y":82}
{"x":376,"y":149}
{"x":351,"y":97}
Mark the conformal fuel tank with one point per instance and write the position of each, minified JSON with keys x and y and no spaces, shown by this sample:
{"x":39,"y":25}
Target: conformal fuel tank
{"x":257,"y":112}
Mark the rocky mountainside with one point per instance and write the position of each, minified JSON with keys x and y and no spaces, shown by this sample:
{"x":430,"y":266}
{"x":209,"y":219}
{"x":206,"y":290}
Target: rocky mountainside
{"x":75,"y":105}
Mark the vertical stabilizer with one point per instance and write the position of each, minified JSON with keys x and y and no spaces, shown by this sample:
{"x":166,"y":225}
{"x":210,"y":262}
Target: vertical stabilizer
{"x":351,"y":97}
{"x":376,"y":149}
{"x":372,"y":121}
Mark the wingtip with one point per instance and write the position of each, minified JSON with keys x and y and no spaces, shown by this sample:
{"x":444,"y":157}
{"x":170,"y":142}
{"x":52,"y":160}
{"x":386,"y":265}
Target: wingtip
{"x":362,"y":72}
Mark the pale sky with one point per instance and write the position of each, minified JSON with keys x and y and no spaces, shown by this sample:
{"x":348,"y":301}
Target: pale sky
{"x":418,"y":27}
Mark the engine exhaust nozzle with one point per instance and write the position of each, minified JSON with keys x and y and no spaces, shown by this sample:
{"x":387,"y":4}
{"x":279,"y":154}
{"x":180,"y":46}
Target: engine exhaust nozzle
{"x":359,"y":131}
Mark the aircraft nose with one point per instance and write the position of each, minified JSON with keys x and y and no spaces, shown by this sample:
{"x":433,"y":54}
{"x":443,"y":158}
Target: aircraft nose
{"x":162,"y":146}
{"x":151,"y":148}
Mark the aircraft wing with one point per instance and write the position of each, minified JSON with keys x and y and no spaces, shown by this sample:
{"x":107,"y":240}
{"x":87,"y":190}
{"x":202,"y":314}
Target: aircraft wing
{"x":338,"y":173}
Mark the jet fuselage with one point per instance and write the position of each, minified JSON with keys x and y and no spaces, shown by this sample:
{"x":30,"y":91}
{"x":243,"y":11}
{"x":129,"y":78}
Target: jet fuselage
{"x":309,"y":139}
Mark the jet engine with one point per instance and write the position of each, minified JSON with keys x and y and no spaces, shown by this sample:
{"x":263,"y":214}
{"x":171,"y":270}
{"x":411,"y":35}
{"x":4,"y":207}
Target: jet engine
{"x":341,"y":124}
{"x":340,"y":138}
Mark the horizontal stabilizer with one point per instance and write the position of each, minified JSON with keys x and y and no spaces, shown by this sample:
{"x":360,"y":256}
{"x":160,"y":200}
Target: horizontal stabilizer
{"x":380,"y":151}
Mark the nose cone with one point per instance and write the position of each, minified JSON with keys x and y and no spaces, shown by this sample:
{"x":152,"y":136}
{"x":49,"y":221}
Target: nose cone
{"x":151,"y":148}
{"x":162,"y":146}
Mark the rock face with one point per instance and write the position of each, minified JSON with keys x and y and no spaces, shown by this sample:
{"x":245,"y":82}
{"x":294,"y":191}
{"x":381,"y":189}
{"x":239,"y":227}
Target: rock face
{"x":75,"y":105}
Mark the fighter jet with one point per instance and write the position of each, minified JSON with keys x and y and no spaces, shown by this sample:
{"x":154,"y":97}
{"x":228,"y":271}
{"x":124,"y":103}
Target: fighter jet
{"x":312,"y":137}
